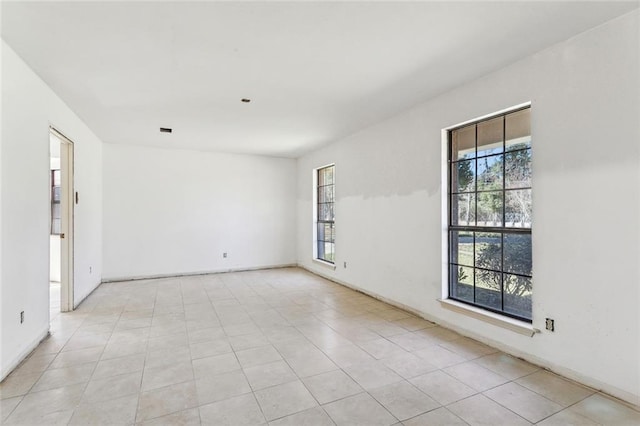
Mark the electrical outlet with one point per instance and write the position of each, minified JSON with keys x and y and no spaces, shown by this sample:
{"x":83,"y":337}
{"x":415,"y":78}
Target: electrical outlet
{"x":345,"y":264}
{"x":90,"y":269}
{"x":224,"y":255}
{"x":21,"y":317}
{"x":550,"y":324}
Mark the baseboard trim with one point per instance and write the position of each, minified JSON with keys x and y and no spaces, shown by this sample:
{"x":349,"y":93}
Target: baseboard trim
{"x":567,"y":373}
{"x":76,"y":304}
{"x":624,"y":396}
{"x":196,"y":273}
{"x":367,"y":292}
{"x":24,"y":354}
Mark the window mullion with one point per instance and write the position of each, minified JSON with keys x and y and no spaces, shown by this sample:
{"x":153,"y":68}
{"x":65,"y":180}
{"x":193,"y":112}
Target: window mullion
{"x":490,"y":273}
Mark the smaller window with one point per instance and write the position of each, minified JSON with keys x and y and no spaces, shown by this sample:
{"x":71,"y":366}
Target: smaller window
{"x":55,"y":202}
{"x":325,"y":226}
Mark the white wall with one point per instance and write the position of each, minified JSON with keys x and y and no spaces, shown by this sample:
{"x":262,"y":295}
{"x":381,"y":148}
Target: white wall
{"x":29,"y":107}
{"x":176,"y":211}
{"x":586,"y":175}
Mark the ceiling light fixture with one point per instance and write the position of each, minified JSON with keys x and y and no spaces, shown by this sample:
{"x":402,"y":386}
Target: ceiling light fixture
{"x":166,"y":130}
{"x":245,"y":100}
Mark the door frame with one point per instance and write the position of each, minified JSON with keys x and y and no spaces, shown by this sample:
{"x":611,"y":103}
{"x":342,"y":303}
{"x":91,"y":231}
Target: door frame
{"x":66,"y":221}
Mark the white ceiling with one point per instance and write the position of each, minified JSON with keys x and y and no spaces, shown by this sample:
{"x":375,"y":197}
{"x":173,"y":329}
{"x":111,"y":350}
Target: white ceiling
{"x":314,"y":71}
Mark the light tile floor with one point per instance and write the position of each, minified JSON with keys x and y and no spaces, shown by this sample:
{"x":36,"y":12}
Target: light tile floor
{"x":282,"y":347}
{"x":54,"y":299}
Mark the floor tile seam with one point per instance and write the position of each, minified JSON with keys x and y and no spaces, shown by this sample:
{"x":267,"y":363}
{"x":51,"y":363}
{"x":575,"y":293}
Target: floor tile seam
{"x":389,"y":341}
{"x":301,"y":411}
{"x":342,"y":335}
{"x":14,"y":407}
{"x":325,"y":372}
{"x":462,"y":355}
{"x":508,"y":380}
{"x":300,"y":379}
{"x":97,"y":403}
{"x":39,"y":373}
{"x":342,"y":398}
{"x":475,"y":392}
{"x":255,"y":399}
{"x":45,"y":414}
{"x":571,"y":381}
{"x":569,"y":407}
{"x":440,"y":368}
{"x":193,"y":379}
{"x":90,"y":334}
{"x":365,"y":389}
{"x":519,"y":415}
{"x":97,"y":379}
{"x":290,"y":414}
{"x":144,"y":366}
{"x":469,"y":386}
{"x":84,"y":389}
{"x":437,"y":341}
{"x":475,"y":361}
{"x":536,"y":393}
{"x":80,"y":330}
{"x":58,"y":387}
{"x":246,"y":378}
{"x":562,"y":408}
{"x":506,"y":408}
{"x":61,"y":368}
{"x":441,"y":406}
{"x":86,"y":362}
{"x":587,"y":388}
{"x":305,"y":338}
{"x":193,"y":372}
{"x":189,"y":407}
{"x":412,"y":385}
{"x":373,"y":398}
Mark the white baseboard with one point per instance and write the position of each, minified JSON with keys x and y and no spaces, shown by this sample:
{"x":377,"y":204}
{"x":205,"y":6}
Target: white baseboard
{"x":6,"y":370}
{"x":195,"y":273}
{"x":81,"y":299}
{"x":614,"y":391}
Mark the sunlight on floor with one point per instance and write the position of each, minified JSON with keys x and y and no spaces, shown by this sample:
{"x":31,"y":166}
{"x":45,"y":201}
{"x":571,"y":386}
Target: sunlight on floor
{"x":281,"y":346}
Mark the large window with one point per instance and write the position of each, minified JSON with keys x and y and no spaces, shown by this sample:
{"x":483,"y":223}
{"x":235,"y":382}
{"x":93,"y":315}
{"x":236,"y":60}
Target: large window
{"x":325,"y":198}
{"x":490,"y":214}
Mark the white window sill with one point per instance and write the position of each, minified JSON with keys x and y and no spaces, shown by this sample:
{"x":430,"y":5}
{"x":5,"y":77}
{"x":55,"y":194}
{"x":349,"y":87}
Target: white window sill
{"x":325,"y":264}
{"x":512,"y":324}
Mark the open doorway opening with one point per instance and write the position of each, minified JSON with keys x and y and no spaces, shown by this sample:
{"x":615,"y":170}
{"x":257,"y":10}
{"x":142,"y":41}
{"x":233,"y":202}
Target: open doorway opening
{"x":61,"y":238}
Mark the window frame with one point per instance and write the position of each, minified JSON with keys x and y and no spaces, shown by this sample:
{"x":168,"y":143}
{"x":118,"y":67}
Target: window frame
{"x":55,"y":227}
{"x":316,"y":220}
{"x":449,"y":228}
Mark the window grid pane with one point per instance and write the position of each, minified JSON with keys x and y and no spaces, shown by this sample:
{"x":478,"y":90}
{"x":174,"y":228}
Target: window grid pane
{"x":490,"y":214}
{"x":325,"y":227}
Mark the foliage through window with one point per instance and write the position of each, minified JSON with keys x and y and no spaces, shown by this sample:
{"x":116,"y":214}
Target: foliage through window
{"x":325,"y":198}
{"x":490,"y":214}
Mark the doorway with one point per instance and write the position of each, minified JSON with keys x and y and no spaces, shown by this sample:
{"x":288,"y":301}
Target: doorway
{"x":61,"y":238}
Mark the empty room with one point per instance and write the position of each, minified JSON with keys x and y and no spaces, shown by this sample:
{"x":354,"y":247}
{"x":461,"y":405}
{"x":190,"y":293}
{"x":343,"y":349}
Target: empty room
{"x":320,"y":213}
